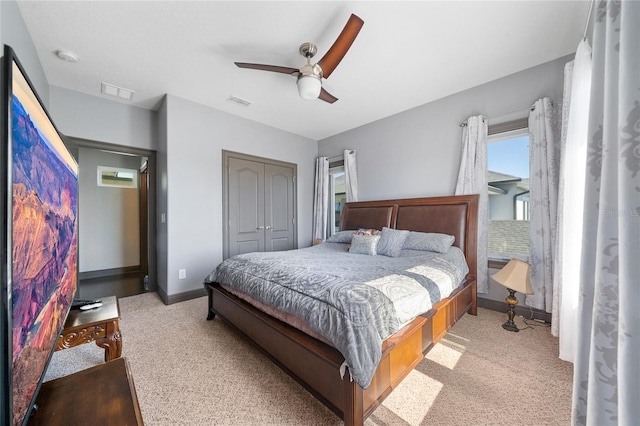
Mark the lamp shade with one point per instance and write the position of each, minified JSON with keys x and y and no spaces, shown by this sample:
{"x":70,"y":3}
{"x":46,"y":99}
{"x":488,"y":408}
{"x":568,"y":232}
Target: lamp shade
{"x":309,"y":87}
{"x":515,"y":276}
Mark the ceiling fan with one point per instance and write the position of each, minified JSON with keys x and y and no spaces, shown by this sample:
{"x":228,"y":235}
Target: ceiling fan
{"x":309,"y":77}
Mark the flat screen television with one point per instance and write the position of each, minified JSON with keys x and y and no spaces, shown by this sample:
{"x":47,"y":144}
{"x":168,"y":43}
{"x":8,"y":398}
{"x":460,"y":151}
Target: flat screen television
{"x":38,"y":238}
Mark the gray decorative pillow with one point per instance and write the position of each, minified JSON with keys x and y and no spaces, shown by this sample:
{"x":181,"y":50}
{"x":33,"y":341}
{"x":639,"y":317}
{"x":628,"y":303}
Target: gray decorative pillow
{"x":391,"y":242}
{"x":341,"y":237}
{"x":439,"y":243}
{"x":364,"y":244}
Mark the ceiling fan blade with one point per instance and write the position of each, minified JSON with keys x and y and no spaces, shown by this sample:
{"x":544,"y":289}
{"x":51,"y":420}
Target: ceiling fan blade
{"x":272,"y":68}
{"x":326,"y":96}
{"x":334,"y":55}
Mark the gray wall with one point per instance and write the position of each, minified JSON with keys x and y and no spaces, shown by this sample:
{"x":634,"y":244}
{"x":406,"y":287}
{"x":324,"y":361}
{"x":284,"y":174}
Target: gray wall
{"x":416,"y":153}
{"x":161,"y":199}
{"x":196,"y":136}
{"x":14,"y":32}
{"x":109,"y":217}
{"x":90,"y":117}
{"x":189,"y":139}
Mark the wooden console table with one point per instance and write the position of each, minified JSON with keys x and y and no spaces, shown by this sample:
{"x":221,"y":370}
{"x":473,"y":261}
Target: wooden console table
{"x":100,"y":395}
{"x":99,"y":325}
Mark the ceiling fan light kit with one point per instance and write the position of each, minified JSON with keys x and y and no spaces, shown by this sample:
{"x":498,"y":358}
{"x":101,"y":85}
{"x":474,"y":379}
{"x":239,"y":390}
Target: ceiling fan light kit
{"x":309,"y":86}
{"x":309,"y":77}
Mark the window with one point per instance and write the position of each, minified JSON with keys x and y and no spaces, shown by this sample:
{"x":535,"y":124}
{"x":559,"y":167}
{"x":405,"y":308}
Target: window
{"x":508,"y":187}
{"x":337,"y":195}
{"x":117,"y":177}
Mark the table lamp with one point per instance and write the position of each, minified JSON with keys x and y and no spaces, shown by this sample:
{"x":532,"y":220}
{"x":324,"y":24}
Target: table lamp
{"x":515,"y":277}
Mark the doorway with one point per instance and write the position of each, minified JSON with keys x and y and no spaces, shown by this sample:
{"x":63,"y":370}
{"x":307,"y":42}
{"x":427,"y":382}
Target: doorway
{"x":117,"y":250}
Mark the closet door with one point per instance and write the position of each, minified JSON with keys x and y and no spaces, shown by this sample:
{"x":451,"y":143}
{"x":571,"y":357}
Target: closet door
{"x":279,"y":219}
{"x":246,"y":206}
{"x":259,"y":201}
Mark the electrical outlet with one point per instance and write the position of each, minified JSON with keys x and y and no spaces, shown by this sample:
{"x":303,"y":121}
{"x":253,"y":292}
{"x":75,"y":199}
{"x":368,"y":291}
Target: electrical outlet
{"x":182,"y":274}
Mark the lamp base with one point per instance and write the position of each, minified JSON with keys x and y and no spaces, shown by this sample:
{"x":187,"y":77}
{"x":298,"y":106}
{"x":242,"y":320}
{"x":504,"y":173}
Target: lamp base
{"x":512,"y":301}
{"x":510,"y":326}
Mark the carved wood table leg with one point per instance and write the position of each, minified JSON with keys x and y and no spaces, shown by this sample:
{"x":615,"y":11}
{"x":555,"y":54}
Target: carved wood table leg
{"x":112,"y":342}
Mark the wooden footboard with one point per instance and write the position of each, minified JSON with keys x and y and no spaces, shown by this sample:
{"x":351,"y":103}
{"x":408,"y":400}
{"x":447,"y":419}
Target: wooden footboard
{"x":316,"y":365}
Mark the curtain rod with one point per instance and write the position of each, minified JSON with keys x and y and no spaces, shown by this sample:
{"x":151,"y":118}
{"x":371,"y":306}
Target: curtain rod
{"x":532,"y":107}
{"x":464,"y":123}
{"x":341,"y":156}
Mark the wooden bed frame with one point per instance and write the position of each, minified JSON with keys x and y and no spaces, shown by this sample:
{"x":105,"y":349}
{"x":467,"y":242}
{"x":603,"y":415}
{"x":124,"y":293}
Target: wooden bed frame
{"x":316,"y":365}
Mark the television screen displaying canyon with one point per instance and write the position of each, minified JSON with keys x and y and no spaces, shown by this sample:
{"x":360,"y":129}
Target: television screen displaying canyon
{"x":44,"y":241}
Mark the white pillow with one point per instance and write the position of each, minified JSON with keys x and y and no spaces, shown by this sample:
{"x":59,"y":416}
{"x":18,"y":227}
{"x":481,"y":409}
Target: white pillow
{"x":364,"y":244}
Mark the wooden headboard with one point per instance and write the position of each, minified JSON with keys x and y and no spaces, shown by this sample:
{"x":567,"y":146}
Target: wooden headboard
{"x":455,"y":215}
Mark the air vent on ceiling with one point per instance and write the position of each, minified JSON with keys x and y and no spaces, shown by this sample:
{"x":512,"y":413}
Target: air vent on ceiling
{"x":239,"y":101}
{"x":120,"y":92}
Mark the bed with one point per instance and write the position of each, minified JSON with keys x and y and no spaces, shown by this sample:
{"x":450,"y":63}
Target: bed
{"x":318,"y":365}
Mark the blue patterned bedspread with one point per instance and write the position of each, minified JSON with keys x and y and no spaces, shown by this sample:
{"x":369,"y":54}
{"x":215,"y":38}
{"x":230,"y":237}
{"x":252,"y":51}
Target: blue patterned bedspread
{"x":355,"y":301}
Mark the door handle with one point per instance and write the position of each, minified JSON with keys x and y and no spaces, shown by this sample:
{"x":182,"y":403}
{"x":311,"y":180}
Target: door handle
{"x":269,"y":227}
{"x":260,"y":227}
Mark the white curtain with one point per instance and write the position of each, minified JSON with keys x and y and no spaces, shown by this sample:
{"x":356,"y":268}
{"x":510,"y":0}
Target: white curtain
{"x":472,"y":179}
{"x":544,"y":171}
{"x":606,"y":385}
{"x":321,"y":199}
{"x":560,"y":243}
{"x":350,"y":175}
{"x":566,"y":283}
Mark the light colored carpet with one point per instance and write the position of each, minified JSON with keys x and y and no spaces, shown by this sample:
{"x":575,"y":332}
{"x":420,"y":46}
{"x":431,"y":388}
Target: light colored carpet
{"x":189,"y":371}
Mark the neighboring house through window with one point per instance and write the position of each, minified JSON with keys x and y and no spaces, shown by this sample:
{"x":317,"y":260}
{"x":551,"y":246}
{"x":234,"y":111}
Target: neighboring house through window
{"x":508,"y":187}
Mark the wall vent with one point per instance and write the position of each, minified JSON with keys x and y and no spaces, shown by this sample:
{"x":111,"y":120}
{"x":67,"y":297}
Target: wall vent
{"x":119,"y":92}
{"x":239,"y":101}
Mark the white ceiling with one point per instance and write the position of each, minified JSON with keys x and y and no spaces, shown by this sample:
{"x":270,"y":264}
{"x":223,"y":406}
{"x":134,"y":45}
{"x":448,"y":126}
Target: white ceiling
{"x":407,"y":53}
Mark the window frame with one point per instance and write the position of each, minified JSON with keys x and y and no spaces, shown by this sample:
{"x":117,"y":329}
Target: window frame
{"x":101,"y":170}
{"x":335,"y":167}
{"x":499,"y":132}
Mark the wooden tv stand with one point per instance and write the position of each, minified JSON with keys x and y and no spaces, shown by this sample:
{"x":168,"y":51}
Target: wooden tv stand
{"x":100,"y":395}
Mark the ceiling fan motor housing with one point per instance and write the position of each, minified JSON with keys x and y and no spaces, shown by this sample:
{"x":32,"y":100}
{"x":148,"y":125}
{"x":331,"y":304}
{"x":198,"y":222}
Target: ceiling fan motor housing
{"x":311,"y":70}
{"x":308,"y":50}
